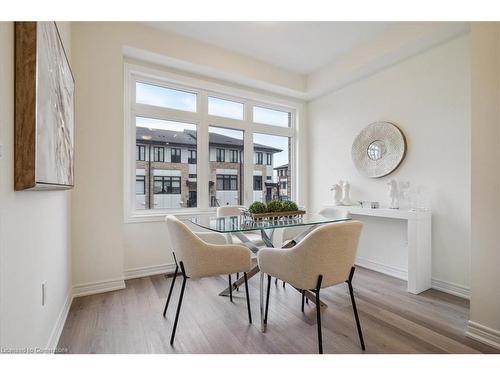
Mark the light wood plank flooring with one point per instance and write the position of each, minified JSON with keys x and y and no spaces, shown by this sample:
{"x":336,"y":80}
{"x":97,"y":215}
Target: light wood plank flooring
{"x":393,"y":321}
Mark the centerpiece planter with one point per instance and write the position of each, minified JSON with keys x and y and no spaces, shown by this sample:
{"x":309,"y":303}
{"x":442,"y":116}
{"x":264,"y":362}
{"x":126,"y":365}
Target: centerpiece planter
{"x":274,"y":210}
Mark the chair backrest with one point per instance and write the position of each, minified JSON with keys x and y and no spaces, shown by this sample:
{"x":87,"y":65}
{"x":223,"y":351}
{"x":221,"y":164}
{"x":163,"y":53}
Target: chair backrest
{"x":229,"y":210}
{"x":329,"y":250}
{"x":334,"y":212}
{"x":185,"y":243}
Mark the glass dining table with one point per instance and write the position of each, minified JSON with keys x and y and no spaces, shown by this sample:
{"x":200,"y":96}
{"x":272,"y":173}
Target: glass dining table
{"x":239,"y":225}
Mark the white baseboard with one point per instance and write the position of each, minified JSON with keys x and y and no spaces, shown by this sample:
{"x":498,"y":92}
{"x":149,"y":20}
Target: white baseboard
{"x":451,"y":288}
{"x":58,"y":327}
{"x":98,"y":287}
{"x":484,"y":334}
{"x":398,"y":273}
{"x":134,"y":273}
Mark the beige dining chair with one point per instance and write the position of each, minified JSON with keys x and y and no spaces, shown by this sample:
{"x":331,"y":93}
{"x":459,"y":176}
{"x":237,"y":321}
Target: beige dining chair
{"x":204,"y":255}
{"x":254,"y":237}
{"x":324,"y":257}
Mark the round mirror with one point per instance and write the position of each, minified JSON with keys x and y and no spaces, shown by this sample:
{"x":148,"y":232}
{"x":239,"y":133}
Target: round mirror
{"x":376,"y":150}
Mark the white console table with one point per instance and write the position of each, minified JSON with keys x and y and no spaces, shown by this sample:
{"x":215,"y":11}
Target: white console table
{"x":419,"y":242}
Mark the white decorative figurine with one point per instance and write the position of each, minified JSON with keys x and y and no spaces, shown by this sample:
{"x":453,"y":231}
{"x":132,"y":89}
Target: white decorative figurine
{"x":346,"y":199}
{"x":337,"y":195}
{"x":393,"y":194}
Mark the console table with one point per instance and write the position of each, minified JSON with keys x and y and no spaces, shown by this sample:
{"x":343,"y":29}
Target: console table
{"x":419,"y":241}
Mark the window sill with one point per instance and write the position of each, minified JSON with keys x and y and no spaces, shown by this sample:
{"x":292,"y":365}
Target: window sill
{"x":149,"y":216}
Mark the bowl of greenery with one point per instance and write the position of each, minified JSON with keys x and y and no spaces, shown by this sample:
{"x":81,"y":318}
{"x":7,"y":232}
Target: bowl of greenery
{"x":274,"y":209}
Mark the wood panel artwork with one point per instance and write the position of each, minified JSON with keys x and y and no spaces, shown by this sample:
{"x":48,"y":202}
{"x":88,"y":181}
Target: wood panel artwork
{"x":44,"y":109}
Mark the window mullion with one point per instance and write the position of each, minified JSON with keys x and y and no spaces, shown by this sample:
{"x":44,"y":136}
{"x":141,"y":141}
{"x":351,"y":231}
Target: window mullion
{"x":203,"y":166}
{"x":248,"y":157}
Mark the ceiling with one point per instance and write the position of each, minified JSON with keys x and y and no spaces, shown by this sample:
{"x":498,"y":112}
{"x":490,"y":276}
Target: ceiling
{"x":300,"y":47}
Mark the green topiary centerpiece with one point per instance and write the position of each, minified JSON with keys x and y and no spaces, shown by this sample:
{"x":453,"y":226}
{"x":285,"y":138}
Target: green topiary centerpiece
{"x":257,"y":208}
{"x":274,"y":206}
{"x":289,"y":206}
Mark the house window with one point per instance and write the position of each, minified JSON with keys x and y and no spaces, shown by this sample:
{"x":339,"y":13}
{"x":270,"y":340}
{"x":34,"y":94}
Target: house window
{"x":140,"y":153}
{"x":257,"y":182}
{"x":259,"y":158}
{"x":159,"y":154}
{"x":163,"y":119}
{"x":220,"y":154}
{"x":175,"y":155}
{"x":140,"y":185}
{"x":283,"y":185}
{"x":272,"y":117}
{"x":269,"y":158}
{"x":278,"y":152}
{"x":165,"y":97}
{"x":233,"y":156}
{"x":227,"y":182}
{"x":167,"y":185}
{"x":192,"y":157}
{"x":227,"y":187}
{"x":225,"y":108}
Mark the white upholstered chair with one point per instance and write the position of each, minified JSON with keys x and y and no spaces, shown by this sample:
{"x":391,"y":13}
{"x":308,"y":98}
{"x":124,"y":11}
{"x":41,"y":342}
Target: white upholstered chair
{"x":254,"y":237}
{"x":323,"y":258}
{"x":203,"y":255}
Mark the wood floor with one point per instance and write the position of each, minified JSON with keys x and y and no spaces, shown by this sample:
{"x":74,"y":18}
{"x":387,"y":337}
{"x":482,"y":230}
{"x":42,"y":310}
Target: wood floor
{"x":393,"y":321}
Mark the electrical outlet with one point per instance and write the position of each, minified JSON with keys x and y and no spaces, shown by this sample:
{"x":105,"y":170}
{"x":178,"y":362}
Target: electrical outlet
{"x":44,"y":293}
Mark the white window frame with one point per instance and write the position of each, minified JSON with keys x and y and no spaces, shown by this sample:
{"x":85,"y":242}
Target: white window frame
{"x":203,"y":89}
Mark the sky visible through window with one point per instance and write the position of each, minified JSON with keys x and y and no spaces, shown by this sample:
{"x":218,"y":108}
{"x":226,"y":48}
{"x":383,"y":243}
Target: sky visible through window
{"x":164,"y":97}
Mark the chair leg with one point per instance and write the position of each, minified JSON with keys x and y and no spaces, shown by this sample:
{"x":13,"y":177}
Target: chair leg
{"x":237,"y":277}
{"x":179,"y":305}
{"x":248,"y":298}
{"x":170,"y":291}
{"x":303,"y":298}
{"x":356,"y":317}
{"x":267,"y":297}
{"x":230,"y":289}
{"x":318,"y":315}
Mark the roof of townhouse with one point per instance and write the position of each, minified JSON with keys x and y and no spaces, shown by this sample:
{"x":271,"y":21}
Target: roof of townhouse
{"x":282,"y":166}
{"x":188,"y":137}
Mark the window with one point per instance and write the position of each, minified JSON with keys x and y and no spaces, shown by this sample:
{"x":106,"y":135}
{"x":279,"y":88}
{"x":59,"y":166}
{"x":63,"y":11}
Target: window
{"x":225,"y":108}
{"x":140,"y":153}
{"x":233,"y":156}
{"x":283,"y":185}
{"x":165,"y":97}
{"x":164,"y":191}
{"x":159,"y":154}
{"x":269,"y":158}
{"x":221,"y":154}
{"x":175,"y":155}
{"x":257,"y":182}
{"x":227,"y":182}
{"x":192,"y":157}
{"x":162,"y":120}
{"x":167,"y":185}
{"x":140,"y":185}
{"x":259,"y":158}
{"x":272,"y":117}
{"x":278,"y":154}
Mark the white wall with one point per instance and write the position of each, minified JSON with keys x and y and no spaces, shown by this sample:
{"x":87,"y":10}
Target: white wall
{"x":428,"y":97}
{"x":34,"y":233}
{"x":485,"y":180}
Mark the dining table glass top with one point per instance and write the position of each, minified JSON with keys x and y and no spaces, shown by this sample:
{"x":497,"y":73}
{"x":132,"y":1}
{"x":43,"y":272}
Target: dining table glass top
{"x":229,"y":224}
